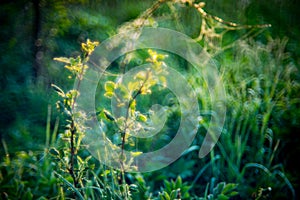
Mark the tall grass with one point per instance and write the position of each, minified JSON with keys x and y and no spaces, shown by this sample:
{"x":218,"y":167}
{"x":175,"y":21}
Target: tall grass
{"x":259,"y":80}
{"x":260,"y":88}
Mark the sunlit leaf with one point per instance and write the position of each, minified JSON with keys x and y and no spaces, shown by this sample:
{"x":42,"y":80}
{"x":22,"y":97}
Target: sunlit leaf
{"x":229,"y":187}
{"x":141,"y":118}
{"x":108,"y":115}
{"x":63,"y":60}
{"x":163,"y":81}
{"x":109,"y":86}
{"x":53,"y":151}
{"x":141,"y":75}
{"x":137,"y":153}
{"x":58,"y":90}
{"x":130,"y":141}
{"x":133,"y":188}
{"x":132,"y":86}
{"x":109,"y":94}
{"x":133,"y":104}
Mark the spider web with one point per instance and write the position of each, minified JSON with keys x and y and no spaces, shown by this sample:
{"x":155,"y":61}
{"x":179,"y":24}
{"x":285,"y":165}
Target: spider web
{"x":213,"y":29}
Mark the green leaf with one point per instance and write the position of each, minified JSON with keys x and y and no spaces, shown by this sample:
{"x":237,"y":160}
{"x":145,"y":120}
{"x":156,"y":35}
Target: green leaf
{"x":109,"y":86}
{"x":28,"y":195}
{"x":210,"y":197}
{"x":133,"y":188}
{"x":109,"y":94}
{"x":70,"y":185}
{"x":86,"y":160}
{"x":185,"y":188}
{"x":132,"y":86}
{"x":53,"y":151}
{"x":233,"y":193}
{"x":135,"y":154}
{"x":145,"y":90}
{"x":164,"y":196}
{"x":178,"y":182}
{"x":122,"y":92}
{"x":173,"y":184}
{"x":163,"y":81}
{"x":130,"y":140}
{"x":174,"y":194}
{"x":75,"y":61}
{"x":79,"y":159}
{"x":89,"y":46}
{"x":63,"y":60}
{"x":58,"y":90}
{"x":228,"y":187}
{"x":105,"y":173}
{"x":42,"y":198}
{"x":168,"y":185}
{"x":108,"y":115}
{"x":219,"y":188}
{"x":141,"y":117}
{"x":222,"y":197}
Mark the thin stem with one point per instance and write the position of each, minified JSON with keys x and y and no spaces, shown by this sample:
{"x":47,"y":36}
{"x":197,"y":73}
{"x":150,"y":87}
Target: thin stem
{"x":72,"y":148}
{"x":73,"y":128}
{"x":126,"y":119}
{"x":77,"y":87}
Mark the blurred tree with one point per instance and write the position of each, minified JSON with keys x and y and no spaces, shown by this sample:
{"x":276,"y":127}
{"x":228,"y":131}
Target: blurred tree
{"x":36,"y":25}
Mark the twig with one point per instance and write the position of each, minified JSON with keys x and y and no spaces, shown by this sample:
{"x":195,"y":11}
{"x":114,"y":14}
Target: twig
{"x":126,"y":119}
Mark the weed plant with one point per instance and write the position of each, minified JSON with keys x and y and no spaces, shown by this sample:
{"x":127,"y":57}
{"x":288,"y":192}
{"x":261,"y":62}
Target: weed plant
{"x":261,"y":87}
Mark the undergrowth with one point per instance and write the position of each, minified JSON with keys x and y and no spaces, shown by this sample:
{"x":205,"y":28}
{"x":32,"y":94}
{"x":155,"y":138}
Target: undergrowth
{"x":260,"y":88}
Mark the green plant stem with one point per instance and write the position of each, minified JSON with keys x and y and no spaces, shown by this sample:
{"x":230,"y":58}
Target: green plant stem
{"x":73,"y":129}
{"x":72,"y":148}
{"x":48,"y":126}
{"x":71,"y":186}
{"x":126,"y":125}
{"x":55,"y":130}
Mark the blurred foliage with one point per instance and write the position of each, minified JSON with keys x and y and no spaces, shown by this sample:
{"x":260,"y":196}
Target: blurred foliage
{"x":256,"y":153}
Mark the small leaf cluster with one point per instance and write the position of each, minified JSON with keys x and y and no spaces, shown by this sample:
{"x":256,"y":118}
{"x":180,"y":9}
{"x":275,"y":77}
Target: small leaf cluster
{"x":64,"y":105}
{"x":77,"y":65}
{"x":71,"y":165}
{"x":175,"y":190}
{"x":27,"y":176}
{"x":222,"y":191}
{"x":125,"y":94}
